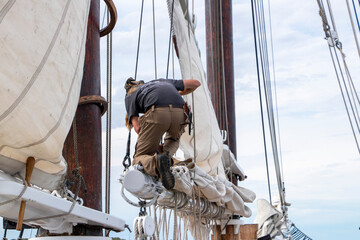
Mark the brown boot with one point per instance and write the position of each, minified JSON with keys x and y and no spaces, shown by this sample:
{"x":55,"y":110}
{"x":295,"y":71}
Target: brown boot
{"x":163,"y":162}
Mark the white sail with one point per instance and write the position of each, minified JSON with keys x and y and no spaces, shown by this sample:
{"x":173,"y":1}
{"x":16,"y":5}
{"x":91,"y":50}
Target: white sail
{"x":42,"y":49}
{"x":208,"y":173}
{"x":207,"y":135}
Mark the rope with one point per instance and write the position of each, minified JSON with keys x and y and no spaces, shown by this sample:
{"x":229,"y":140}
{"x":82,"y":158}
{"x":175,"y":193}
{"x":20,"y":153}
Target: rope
{"x":171,"y":29}
{"x":139,"y":37}
{"x":175,"y":217}
{"x":21,"y":193}
{"x":254,"y":19}
{"x":357,"y":19}
{"x":76,"y":175}
{"x":269,"y":104}
{"x":76,"y":171}
{"x":275,"y":92}
{"x":338,"y":69}
{"x":353,"y":27}
{"x":108,"y":119}
{"x":224,"y":96}
{"x":156,"y":223}
{"x":154,"y":35}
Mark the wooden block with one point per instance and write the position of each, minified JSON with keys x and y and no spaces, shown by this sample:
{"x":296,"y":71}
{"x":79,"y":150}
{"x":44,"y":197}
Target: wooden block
{"x":248,"y":232}
{"x":229,"y":235}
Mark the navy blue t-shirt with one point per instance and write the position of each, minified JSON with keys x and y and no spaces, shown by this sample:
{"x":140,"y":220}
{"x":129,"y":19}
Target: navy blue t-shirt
{"x":160,"y":92}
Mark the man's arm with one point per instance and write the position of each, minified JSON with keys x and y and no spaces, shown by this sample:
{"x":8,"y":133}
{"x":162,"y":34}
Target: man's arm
{"x":189,"y":86}
{"x":135,"y":123}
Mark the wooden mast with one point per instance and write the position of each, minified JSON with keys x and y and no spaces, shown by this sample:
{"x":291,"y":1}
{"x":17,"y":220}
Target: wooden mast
{"x":220,"y":78}
{"x":88,"y":119}
{"x":220,"y":65}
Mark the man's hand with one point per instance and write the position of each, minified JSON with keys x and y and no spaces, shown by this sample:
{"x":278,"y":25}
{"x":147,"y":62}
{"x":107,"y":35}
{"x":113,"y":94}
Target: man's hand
{"x":135,"y":123}
{"x":189,"y":86}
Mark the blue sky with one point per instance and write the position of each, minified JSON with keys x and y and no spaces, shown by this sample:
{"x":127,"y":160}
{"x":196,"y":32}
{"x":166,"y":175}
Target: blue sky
{"x":320,"y":161}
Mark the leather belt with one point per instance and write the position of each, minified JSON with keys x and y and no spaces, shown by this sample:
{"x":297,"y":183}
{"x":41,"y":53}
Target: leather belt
{"x":170,"y":105}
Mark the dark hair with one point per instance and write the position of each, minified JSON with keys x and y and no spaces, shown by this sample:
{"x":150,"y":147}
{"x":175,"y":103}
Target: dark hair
{"x":130,"y":82}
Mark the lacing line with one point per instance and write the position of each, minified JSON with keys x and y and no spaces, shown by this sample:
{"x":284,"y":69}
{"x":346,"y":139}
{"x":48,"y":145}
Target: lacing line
{"x":20,"y":195}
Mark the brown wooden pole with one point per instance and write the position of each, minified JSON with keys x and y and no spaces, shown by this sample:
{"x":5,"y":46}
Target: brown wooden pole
{"x":220,"y":65}
{"x":88,"y":119}
{"x":220,"y":76}
{"x":30,"y":163}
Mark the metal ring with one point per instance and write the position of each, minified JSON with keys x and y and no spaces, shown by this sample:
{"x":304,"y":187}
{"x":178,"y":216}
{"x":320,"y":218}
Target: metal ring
{"x":99,"y":100}
{"x":113,"y":13}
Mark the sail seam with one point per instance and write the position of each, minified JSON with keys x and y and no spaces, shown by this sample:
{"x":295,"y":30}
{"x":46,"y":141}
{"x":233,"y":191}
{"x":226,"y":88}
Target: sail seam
{"x":6,"y":9}
{"x":67,"y":99}
{"x":39,"y":68}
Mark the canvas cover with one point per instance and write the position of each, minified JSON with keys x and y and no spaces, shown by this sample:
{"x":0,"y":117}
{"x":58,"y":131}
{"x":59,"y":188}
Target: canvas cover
{"x":42,"y":49}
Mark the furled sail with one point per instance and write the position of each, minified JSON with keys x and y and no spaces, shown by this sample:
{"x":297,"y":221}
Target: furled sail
{"x":209,"y":144}
{"x":208,"y":175}
{"x":42,"y":49}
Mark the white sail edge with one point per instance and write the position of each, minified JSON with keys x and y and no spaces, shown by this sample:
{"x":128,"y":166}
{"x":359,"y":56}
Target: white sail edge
{"x":42,"y":49}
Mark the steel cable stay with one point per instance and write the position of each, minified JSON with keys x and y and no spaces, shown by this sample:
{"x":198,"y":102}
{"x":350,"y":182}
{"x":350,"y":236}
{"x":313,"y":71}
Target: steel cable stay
{"x":275,"y":92}
{"x":352,"y":25}
{"x":266,"y":98}
{"x":170,"y":36}
{"x":267,"y":92}
{"x":255,"y":21}
{"x":139,"y":37}
{"x":108,"y":118}
{"x":271,"y":118}
{"x":356,"y":15}
{"x":347,"y":88}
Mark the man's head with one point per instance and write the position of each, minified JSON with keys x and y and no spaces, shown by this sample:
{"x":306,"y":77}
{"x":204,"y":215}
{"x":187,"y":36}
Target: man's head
{"x":130,"y":82}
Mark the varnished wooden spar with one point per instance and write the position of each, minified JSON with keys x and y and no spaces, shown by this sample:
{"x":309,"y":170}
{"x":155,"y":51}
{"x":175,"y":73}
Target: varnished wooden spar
{"x":216,"y":66}
{"x":220,"y":78}
{"x":30,"y":163}
{"x":88,"y":119}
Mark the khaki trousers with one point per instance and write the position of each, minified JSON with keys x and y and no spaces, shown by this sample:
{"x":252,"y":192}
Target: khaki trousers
{"x":153,"y":124}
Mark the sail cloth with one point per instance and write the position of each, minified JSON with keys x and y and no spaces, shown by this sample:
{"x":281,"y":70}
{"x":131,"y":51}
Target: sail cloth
{"x":268,"y":220}
{"x":206,"y":132}
{"x":208,"y":173}
{"x":42,"y":49}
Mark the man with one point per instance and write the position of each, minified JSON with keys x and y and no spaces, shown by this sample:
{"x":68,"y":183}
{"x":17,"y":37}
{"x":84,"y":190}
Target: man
{"x":163,"y":107}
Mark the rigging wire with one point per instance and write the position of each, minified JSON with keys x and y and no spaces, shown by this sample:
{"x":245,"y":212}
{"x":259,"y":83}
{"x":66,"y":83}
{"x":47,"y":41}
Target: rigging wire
{"x":254,"y":20}
{"x":263,"y":70}
{"x":154,"y":35}
{"x":353,"y":27}
{"x":139,"y":37}
{"x":270,"y":108}
{"x":170,"y":37}
{"x":224,"y":97}
{"x":351,"y":104}
{"x":357,"y":19}
{"x":108,"y":118}
{"x":275,"y":92}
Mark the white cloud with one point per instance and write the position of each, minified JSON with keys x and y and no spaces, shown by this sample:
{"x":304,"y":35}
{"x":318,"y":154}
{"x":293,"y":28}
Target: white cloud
{"x":319,"y":155}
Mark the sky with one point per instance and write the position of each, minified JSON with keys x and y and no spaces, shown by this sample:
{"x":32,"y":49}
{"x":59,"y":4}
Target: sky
{"x":319,"y":156}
